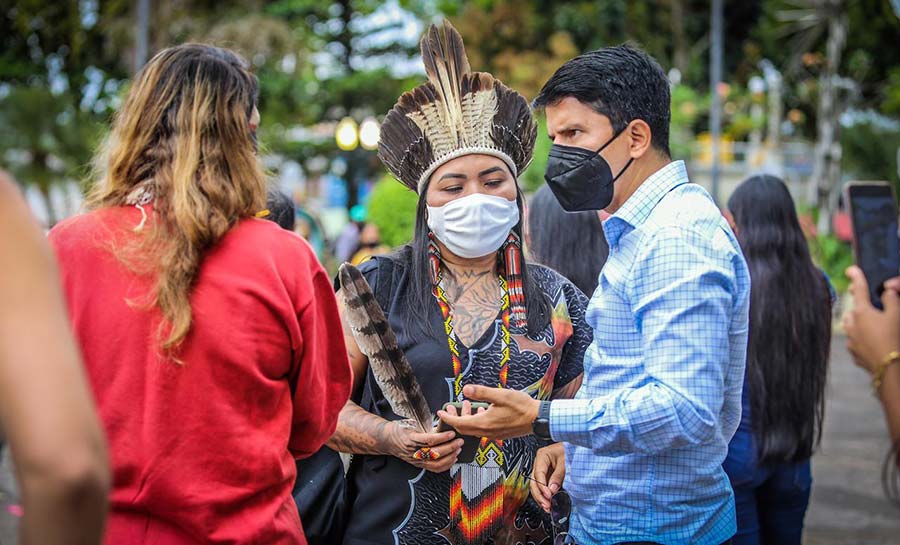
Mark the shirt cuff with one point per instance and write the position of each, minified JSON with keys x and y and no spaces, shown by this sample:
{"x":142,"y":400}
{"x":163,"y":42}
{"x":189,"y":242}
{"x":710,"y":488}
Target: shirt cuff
{"x":570,"y":420}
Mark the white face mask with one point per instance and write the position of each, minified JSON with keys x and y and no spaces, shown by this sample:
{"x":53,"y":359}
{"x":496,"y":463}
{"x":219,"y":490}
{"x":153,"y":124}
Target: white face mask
{"x":475,"y":225}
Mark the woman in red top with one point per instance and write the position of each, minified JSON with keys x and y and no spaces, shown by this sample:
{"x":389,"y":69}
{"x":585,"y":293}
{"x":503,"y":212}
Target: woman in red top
{"x":211,"y":338}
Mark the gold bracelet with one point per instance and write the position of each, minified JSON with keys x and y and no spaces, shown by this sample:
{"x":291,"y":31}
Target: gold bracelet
{"x":878,"y":375}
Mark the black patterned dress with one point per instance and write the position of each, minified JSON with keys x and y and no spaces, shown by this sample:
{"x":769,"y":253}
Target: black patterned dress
{"x":397,"y":503}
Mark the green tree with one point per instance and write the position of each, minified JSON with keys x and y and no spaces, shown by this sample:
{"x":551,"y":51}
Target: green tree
{"x":392,"y":208}
{"x":339,"y":63}
{"x":50,"y":138}
{"x":870,"y":150}
{"x":533,"y":177}
{"x":315,"y":61}
{"x":60,"y":78}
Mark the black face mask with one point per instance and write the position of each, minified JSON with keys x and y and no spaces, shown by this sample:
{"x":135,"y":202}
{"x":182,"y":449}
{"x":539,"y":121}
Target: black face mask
{"x":580,"y":178}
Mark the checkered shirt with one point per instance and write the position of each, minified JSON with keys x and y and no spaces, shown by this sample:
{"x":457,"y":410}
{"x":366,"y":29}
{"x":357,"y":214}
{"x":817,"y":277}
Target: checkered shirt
{"x":647,"y":433}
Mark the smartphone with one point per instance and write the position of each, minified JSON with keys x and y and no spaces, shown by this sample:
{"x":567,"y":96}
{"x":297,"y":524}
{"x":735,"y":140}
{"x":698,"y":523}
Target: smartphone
{"x":470,"y":445}
{"x":873,"y":213}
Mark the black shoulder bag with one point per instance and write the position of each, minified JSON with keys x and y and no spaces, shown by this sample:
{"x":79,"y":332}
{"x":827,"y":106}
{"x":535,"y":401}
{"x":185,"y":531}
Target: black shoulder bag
{"x":323,"y":490}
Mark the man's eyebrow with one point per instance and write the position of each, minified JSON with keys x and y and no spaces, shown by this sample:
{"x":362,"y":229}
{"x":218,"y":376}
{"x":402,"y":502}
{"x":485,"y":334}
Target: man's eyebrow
{"x":564,"y":128}
{"x":571,"y":126}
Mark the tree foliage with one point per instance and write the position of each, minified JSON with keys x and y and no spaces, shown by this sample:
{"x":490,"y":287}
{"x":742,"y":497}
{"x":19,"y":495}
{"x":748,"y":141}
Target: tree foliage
{"x":392,"y":208}
{"x":66,"y":62}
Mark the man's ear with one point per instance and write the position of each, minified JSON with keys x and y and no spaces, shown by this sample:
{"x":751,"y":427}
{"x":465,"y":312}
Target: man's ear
{"x":640,"y":136}
{"x":729,"y":217}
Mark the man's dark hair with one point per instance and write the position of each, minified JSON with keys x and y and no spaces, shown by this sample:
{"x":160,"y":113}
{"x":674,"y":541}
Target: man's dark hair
{"x":622,"y":82}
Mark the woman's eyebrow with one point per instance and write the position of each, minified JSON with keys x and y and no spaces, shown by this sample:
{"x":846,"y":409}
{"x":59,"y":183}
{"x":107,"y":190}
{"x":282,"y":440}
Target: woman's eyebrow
{"x":453,"y":175}
{"x":491,"y":170}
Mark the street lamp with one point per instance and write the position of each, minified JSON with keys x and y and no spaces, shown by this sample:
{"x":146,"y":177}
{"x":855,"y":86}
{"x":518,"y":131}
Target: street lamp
{"x":349,"y":136}
{"x":756,"y":86}
{"x":369,"y":133}
{"x":715,"y":78}
{"x":346,"y":134}
{"x":773,"y":84}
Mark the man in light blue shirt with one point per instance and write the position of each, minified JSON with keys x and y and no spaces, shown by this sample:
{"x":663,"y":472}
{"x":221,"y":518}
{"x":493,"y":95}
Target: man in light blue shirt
{"x":642,"y":444}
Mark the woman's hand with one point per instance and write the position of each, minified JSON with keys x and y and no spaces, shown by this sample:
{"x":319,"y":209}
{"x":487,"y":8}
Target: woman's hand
{"x":872,"y":334}
{"x":549,"y":469}
{"x":435,"y":452}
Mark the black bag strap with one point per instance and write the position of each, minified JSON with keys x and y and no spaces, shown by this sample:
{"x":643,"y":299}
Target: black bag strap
{"x":384,"y":282}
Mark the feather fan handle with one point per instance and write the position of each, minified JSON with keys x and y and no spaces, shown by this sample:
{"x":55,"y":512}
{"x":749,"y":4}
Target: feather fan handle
{"x":377,"y":341}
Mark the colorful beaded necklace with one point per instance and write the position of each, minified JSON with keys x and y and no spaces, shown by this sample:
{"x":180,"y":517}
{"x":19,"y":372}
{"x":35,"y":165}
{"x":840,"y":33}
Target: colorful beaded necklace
{"x":476,"y":518}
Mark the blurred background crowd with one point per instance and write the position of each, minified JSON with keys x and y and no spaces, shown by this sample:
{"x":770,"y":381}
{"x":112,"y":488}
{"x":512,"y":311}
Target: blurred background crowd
{"x":809,"y":90}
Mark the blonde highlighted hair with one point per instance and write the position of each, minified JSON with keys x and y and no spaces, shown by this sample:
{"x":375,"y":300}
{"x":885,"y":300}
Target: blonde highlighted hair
{"x":184,"y":131}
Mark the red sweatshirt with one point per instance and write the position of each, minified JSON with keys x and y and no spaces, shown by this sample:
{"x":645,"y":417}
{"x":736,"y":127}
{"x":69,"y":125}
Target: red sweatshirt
{"x":204,"y":452}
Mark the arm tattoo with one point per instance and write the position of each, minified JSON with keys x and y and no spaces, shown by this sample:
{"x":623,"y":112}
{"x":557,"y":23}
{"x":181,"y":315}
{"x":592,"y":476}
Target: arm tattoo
{"x":361,"y":432}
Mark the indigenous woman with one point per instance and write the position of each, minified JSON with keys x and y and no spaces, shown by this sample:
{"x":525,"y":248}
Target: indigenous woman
{"x":466,"y":309}
{"x":211,"y":338}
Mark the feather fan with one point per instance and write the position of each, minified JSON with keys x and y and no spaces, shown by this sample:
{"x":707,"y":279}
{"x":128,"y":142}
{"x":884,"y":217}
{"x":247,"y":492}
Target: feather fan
{"x":377,"y":341}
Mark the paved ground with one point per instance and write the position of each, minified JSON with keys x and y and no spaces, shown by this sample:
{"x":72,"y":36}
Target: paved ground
{"x":848,"y":506}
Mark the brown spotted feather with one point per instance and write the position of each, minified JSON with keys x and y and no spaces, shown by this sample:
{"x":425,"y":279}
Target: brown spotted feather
{"x":377,"y":341}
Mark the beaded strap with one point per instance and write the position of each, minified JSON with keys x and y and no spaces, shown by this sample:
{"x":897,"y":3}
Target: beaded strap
{"x":474,"y":519}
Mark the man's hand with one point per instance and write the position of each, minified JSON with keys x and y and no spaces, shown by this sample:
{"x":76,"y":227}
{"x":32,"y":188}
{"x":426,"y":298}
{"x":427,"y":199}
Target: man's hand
{"x":872,"y":334}
{"x":511,"y":413}
{"x":549,"y":469}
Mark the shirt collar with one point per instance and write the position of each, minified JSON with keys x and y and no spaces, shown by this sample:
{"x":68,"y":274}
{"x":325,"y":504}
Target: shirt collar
{"x":637,"y":208}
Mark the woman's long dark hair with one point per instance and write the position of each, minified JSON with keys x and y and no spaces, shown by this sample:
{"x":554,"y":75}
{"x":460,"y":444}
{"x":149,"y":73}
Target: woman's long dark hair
{"x":571,"y":243}
{"x":790,"y":323}
{"x":419,"y":296}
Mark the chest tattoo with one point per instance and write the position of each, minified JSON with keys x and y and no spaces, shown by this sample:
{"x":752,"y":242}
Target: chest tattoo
{"x":475,"y":301}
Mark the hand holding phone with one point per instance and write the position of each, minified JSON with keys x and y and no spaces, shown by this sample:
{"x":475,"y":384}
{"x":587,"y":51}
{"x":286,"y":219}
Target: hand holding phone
{"x":873,"y":212}
{"x":470,"y":446}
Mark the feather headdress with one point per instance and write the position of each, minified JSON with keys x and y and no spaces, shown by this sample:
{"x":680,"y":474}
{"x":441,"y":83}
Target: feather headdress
{"x":458,"y":112}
